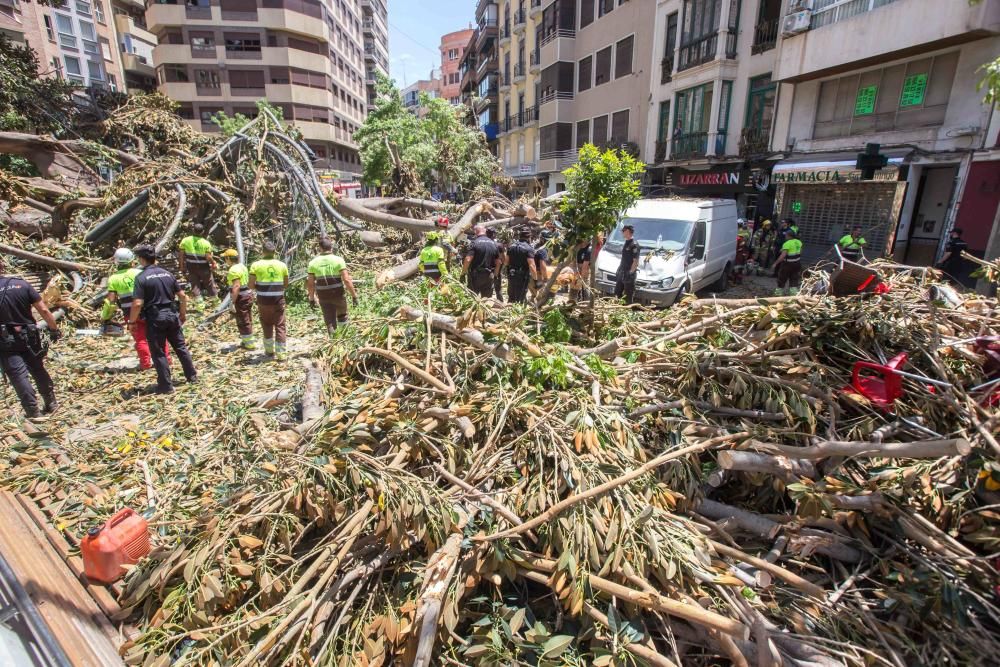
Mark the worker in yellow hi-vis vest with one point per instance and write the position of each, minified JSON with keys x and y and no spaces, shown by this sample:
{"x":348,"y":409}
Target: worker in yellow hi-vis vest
{"x":269,"y":277}
{"x":328,"y":278}
{"x":196,"y":262}
{"x":852,"y":245}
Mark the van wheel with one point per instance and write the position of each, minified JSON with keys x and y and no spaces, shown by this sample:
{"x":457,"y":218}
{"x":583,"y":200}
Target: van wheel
{"x":722,"y":284}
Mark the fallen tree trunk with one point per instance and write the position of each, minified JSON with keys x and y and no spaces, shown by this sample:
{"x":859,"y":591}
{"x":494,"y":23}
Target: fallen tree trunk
{"x":449,"y":325}
{"x":779,"y":466}
{"x":61,"y":264}
{"x":353,"y":208}
{"x":924,"y":449}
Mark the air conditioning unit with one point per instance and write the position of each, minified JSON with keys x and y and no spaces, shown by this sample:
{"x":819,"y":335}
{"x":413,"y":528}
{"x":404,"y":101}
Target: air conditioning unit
{"x":799,"y":5}
{"x":796,"y":23}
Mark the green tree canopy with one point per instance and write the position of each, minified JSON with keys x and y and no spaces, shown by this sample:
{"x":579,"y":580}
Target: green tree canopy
{"x":31,"y":102}
{"x":409,"y":154}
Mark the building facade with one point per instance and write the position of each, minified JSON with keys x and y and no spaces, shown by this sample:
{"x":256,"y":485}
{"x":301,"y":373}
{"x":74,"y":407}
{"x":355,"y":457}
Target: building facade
{"x":452,"y":51}
{"x":593,"y":80}
{"x":305,"y":56}
{"x":411,"y":94}
{"x":485,"y":101}
{"x":902,"y":74}
{"x":375,"y":33}
{"x":520,"y":67}
{"x":713,"y":96}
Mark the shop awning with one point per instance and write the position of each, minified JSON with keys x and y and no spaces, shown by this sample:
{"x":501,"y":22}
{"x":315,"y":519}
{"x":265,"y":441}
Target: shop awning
{"x":835,"y":167}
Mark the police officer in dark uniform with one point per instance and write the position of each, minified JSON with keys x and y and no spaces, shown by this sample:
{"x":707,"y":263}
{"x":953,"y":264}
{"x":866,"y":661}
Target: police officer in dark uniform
{"x":482,"y":262}
{"x":498,"y":276}
{"x":520,"y":263}
{"x":952,"y":263}
{"x":627,"y":270}
{"x":159,"y":299}
{"x":22,"y":347}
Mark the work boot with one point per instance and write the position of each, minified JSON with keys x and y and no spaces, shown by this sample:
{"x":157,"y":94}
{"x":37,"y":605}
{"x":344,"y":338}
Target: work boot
{"x":269,"y":347}
{"x":281,"y":352}
{"x":33,"y":414}
{"x":165,"y":391}
{"x":51,"y":404}
{"x":248,"y":343}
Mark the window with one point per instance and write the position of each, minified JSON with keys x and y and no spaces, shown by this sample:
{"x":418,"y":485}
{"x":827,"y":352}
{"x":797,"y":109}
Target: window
{"x":95,"y":70}
{"x":99,"y":12}
{"x":600,"y":136}
{"x":670,"y":43}
{"x":245,"y":43}
{"x":174,"y":74}
{"x":67,"y":38}
{"x":602,"y":72}
{"x":48,"y":28}
{"x":584,"y":74}
{"x":907,"y":96}
{"x":724,"y":103}
{"x":663,"y":124}
{"x":206,"y":78}
{"x":82,"y":8}
{"x":619,"y":127}
{"x":106,"y":49}
{"x":89,"y":37}
{"x":452,"y":54}
{"x":251,"y":79}
{"x":556,"y":138}
{"x":586,"y":13}
{"x":760,"y":106}
{"x":73,"y":71}
{"x":604,"y":6}
{"x":701,"y":18}
{"x":582,"y":133}
{"x":206,"y":114}
{"x":623,"y":57}
{"x":693,"y":111}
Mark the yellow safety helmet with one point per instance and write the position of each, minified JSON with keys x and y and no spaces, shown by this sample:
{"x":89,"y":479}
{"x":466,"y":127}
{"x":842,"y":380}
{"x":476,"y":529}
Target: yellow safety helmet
{"x":230,"y":253}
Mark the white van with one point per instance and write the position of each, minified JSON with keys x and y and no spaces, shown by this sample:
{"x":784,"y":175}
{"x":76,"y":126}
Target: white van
{"x":686,"y":245}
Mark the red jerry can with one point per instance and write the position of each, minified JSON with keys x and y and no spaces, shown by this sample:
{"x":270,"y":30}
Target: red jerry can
{"x":122,"y":540}
{"x":879,"y":384}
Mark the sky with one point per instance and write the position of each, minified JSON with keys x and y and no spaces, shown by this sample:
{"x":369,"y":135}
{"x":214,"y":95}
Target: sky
{"x":415,"y":29}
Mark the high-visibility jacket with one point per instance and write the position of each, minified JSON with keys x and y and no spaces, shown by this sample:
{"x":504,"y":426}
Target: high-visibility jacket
{"x":793,"y":248}
{"x":270,"y":274}
{"x":851,"y":247}
{"x":238,"y":272}
{"x":195,"y":249}
{"x":326,"y":270}
{"x":122,"y":283}
{"x":432,"y":261}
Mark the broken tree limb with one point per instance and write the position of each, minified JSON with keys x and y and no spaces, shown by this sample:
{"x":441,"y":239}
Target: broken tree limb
{"x":708,"y":407}
{"x":312,"y":406}
{"x":449,"y":325}
{"x":779,"y":572}
{"x":408,"y":367}
{"x":353,"y":208}
{"x":438,"y":573}
{"x":35,"y":258}
{"x":270,"y":399}
{"x":561,"y":506}
{"x":779,"y":466}
{"x":923,"y":449}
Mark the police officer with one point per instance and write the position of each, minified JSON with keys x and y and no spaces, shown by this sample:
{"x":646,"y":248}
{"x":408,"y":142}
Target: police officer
{"x":160,"y":301}
{"x":498,"y":276}
{"x":952,"y":263}
{"x":851,"y":245}
{"x":482,"y":261}
{"x":328,"y":278}
{"x":241,"y":297}
{"x":121,"y":284}
{"x":432,"y":260}
{"x":789,"y":265}
{"x":269,"y":277}
{"x":628,"y":268}
{"x":520,"y":262}
{"x":195,"y":261}
{"x":584,"y":253}
{"x":22,"y":348}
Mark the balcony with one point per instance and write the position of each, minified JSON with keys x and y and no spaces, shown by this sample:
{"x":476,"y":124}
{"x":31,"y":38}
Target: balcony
{"x":666,"y":70}
{"x":519,"y":73}
{"x":535,"y":9}
{"x":691,"y":145}
{"x":698,"y":52}
{"x":530,"y":115}
{"x":765,"y":36}
{"x":504,"y":82}
{"x":660,"y":152}
{"x":520,"y":19}
{"x":136,"y":64}
{"x":755,"y":141}
{"x":505,"y":34}
{"x":550,"y":161}
{"x":565,"y":33}
{"x":558,"y":46}
{"x":853,"y":33}
{"x":535,"y":62}
{"x":128,"y":26}
{"x":491,"y":130}
{"x":556,"y":95}
{"x":523,"y":169}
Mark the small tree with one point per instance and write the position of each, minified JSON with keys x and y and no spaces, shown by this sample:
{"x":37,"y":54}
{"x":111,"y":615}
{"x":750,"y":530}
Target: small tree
{"x":600,"y":187}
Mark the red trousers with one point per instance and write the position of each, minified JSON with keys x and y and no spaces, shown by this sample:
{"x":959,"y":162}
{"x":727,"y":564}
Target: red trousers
{"x":138,"y":331}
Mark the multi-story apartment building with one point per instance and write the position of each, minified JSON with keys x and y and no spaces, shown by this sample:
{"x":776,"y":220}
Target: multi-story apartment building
{"x":305,"y":56}
{"x":76,"y":40}
{"x":452,"y":51}
{"x":593,"y":84}
{"x":902,"y":74}
{"x":411,"y":94}
{"x":487,"y":73}
{"x":136,"y":44}
{"x":713,"y":96}
{"x":520,"y":67}
{"x":375,"y":30}
{"x":468,"y":73}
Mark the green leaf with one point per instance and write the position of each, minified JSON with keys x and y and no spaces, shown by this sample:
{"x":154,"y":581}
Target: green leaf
{"x":555,"y":646}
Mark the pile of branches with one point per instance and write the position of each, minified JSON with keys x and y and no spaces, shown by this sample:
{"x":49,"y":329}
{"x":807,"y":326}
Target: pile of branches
{"x":461,"y":483}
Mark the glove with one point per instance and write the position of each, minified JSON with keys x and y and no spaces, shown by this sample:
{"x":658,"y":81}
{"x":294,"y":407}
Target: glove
{"x":54,"y":335}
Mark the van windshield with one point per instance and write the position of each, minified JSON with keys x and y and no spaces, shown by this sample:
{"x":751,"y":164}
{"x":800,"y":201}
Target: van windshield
{"x":655,"y":233}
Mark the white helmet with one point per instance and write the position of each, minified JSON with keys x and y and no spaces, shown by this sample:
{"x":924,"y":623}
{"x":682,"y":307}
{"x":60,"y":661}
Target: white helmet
{"x":124,"y":256}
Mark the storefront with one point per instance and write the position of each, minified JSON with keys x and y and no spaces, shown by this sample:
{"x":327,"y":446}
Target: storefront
{"x":825,"y":195}
{"x":749,"y":184}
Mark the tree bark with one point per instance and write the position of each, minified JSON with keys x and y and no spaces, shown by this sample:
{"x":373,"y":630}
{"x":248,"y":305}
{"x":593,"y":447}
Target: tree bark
{"x":779,"y":466}
{"x":47,"y":261}
{"x":924,"y":449}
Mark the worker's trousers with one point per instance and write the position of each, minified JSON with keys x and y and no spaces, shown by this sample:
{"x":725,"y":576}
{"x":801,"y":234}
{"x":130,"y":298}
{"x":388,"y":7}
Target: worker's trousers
{"x":272,"y":323}
{"x":201,"y":279}
{"x":243,"y":308}
{"x":20,"y":367}
{"x":625,"y":287}
{"x":481,"y":282}
{"x":334,"y":309}
{"x":789,"y":274}
{"x":164,"y":328}
{"x":138,"y":331}
{"x":517,"y":286}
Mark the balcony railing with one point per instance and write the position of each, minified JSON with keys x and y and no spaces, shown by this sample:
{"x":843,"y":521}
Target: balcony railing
{"x":519,"y":70}
{"x":563,"y":159}
{"x":505,"y":32}
{"x":693,"y":144}
{"x":698,"y":52}
{"x":755,"y":141}
{"x":765,"y":36}
{"x":486,"y":24}
{"x":826,"y":12}
{"x":530,"y":114}
{"x":552,"y":95}
{"x":731,"y":45}
{"x":667,"y":69}
{"x":520,"y":17}
{"x":660,"y":151}
{"x":536,"y":7}
{"x":568,"y":33}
